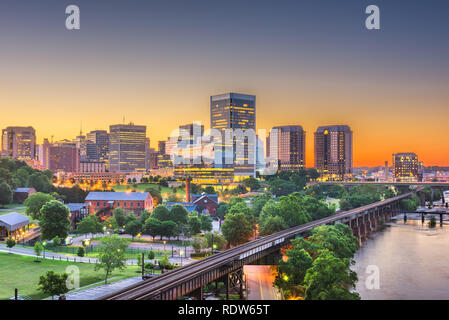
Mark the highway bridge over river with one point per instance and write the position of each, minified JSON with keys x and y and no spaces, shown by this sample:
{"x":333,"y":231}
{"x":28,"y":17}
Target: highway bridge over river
{"x":227,"y":266}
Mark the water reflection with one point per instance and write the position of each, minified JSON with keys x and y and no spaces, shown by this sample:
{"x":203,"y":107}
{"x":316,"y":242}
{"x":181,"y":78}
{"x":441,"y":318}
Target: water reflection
{"x":413,"y":262}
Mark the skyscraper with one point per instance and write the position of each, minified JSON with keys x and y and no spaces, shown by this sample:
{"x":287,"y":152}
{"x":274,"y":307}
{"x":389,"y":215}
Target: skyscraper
{"x":127,"y":148}
{"x":19,"y":143}
{"x":333,"y":152}
{"x":287,"y":144}
{"x":98,"y":145}
{"x":235,"y":111}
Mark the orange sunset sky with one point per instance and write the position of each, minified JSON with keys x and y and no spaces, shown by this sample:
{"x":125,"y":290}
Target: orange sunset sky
{"x":390,"y":87}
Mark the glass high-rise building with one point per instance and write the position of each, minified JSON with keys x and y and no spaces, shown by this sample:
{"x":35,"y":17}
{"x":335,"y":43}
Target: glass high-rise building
{"x":333,"y":152}
{"x":235,"y":111}
{"x":98,"y":145}
{"x":127,"y":148}
{"x":287,"y":145}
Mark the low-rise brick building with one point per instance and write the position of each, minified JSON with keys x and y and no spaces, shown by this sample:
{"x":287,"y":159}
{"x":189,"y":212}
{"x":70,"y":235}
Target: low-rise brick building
{"x":102,"y":203}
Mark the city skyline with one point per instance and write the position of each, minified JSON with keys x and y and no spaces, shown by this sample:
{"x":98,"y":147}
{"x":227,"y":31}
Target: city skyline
{"x":307,"y":66}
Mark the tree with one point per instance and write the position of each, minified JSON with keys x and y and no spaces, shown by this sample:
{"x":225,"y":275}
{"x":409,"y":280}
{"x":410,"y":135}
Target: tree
{"x":168,"y":229}
{"x":111,"y":254}
{"x":89,"y":225}
{"x":242,"y":207}
{"x":120,"y":216}
{"x":194,"y":225}
{"x":20,"y":178}
{"x":258,"y":202}
{"x":5,"y":193}
{"x":328,"y":279}
{"x":111,"y":224}
{"x":206,"y":223}
{"x":38,"y":248}
{"x":56,"y":241}
{"x":272,"y":225}
{"x":35,"y":202}
{"x":237,"y":229}
{"x":149,"y":266}
{"x":151,"y":255}
{"x":152,"y":227}
{"x":10,"y":243}
{"x":178,"y":214}
{"x":337,"y":239}
{"x":280,"y":187}
{"x":222,"y":210}
{"x":173,"y":197}
{"x":5,"y":176}
{"x":197,"y":244}
{"x":133,"y":228}
{"x":210,"y":190}
{"x":161,"y":213}
{"x":53,"y":284}
{"x":252,"y":183}
{"x":214,"y":239}
{"x":81,"y":252}
{"x":291,"y":211}
{"x":54,"y":220}
{"x":40,"y":182}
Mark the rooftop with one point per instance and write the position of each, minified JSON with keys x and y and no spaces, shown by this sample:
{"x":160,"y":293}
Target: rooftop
{"x":122,"y":196}
{"x":13,"y":221}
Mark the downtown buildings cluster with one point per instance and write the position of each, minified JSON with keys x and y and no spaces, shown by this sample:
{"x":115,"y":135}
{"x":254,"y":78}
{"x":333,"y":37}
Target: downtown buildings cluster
{"x":123,"y":153}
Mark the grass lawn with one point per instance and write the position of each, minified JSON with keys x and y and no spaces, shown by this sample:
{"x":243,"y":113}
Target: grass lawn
{"x":143,"y":186}
{"x":22,"y":272}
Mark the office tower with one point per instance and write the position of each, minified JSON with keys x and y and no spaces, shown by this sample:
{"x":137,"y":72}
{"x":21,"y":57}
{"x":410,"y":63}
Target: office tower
{"x":63,"y":156}
{"x":287,"y":144}
{"x":405,"y":167}
{"x":127,"y":148}
{"x":98,"y":146}
{"x":43,"y":153}
{"x":333,"y":152}
{"x":235,"y":111}
{"x":147,"y":154}
{"x":161,"y":147}
{"x":19,"y":143}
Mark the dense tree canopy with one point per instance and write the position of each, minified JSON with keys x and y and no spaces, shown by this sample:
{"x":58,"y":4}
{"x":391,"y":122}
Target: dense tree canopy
{"x":54,"y":220}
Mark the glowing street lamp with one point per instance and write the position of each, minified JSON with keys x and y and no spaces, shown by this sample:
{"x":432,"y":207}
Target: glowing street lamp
{"x":181,"y":253}
{"x":44,"y":244}
{"x":164,"y":244}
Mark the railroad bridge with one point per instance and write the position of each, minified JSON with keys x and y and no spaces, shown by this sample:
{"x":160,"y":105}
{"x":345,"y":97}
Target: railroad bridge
{"x":227,"y":266}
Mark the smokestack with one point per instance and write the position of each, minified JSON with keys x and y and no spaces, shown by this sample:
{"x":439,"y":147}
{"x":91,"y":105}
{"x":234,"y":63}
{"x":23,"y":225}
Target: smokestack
{"x":188,"y":190}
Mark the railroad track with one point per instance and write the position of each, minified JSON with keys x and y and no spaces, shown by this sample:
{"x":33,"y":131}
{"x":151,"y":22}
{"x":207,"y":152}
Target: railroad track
{"x":153,"y":286}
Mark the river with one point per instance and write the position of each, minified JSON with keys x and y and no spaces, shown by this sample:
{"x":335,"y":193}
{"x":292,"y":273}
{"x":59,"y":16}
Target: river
{"x":412,"y":262}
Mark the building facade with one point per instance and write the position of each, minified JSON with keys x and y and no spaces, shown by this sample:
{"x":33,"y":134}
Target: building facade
{"x":127,"y":149}
{"x":98,"y":146}
{"x":19,"y":143}
{"x":287,"y":144}
{"x":103,"y":203}
{"x":63,"y":156}
{"x":406,"y":167}
{"x":237,"y":112}
{"x":333,"y":152}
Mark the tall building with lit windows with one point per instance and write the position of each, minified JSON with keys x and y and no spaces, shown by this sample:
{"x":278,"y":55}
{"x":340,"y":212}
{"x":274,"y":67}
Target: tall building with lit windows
{"x":19,"y":143}
{"x":406,"y":167}
{"x":127,"y":148}
{"x":235,"y":111}
{"x":98,"y":146}
{"x":287,"y":144}
{"x":333,"y":152}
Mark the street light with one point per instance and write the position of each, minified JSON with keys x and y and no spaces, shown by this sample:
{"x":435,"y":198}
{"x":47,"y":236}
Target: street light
{"x":44,"y":244}
{"x":181,"y":253}
{"x":164,"y":244}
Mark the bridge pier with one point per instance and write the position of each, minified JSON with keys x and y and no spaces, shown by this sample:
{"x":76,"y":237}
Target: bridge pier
{"x":441,"y":219}
{"x":422,"y":218}
{"x":198,"y":294}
